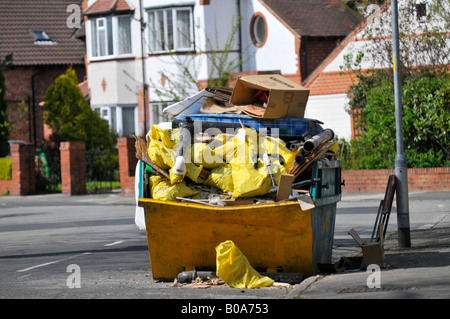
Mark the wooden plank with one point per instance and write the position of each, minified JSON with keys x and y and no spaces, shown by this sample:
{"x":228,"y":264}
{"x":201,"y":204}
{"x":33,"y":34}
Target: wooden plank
{"x":285,"y":186}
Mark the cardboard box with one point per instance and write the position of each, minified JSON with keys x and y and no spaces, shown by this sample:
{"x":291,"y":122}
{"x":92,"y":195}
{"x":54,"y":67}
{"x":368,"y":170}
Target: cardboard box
{"x":285,"y":99}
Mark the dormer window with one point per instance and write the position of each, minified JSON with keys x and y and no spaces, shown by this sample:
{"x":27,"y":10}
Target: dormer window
{"x":41,"y":37}
{"x":170,"y":29}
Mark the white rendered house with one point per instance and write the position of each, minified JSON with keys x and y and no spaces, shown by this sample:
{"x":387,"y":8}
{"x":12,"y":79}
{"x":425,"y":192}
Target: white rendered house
{"x":329,"y":83}
{"x":131,"y":42}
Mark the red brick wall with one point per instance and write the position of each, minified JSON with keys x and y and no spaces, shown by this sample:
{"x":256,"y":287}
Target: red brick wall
{"x":18,"y":83}
{"x":142,"y":115}
{"x":23,"y":180}
{"x":73,"y":168}
{"x":127,"y":164}
{"x":375,"y":180}
{"x":5,"y":185}
{"x":18,"y":97}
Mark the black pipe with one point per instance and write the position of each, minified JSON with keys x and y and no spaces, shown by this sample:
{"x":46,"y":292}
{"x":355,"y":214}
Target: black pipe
{"x":318,"y":139}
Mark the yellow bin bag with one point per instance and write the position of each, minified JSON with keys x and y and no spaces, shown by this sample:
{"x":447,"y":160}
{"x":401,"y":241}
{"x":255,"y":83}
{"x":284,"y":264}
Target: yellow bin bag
{"x":169,"y":137}
{"x":162,"y":189}
{"x":222,"y":178}
{"x":234,"y":268}
{"x":163,"y":157}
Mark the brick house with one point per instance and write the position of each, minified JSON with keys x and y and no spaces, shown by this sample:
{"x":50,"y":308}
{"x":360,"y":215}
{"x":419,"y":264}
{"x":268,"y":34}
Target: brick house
{"x":329,"y":84}
{"x":36,"y":34}
{"x":290,"y":37}
{"x":318,"y":27}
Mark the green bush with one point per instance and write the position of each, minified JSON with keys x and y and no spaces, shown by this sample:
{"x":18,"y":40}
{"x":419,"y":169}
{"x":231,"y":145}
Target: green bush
{"x":5,"y":168}
{"x":426,"y":124}
{"x":71,"y":118}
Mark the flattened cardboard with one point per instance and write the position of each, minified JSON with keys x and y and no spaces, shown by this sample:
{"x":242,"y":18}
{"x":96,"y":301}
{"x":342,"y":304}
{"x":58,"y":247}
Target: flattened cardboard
{"x":210,"y":106}
{"x":252,"y":110}
{"x":305,"y":201}
{"x":286,"y":98}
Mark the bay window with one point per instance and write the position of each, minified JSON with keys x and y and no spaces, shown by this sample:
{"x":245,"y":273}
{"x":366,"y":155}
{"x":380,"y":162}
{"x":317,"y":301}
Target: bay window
{"x":110,"y":36}
{"x":170,"y":29}
{"x":124,"y":27}
{"x":121,"y":119}
{"x":156,"y":113}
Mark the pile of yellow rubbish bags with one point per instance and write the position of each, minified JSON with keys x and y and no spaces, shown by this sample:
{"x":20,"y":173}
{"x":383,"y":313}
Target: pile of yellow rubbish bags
{"x":225,"y":162}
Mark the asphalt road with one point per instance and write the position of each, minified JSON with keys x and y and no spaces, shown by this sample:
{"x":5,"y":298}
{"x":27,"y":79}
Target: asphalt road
{"x":87,"y":247}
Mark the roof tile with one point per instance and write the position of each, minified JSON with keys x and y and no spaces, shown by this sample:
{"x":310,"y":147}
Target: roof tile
{"x":105,"y":6}
{"x":315,"y":17}
{"x":17,"y":18}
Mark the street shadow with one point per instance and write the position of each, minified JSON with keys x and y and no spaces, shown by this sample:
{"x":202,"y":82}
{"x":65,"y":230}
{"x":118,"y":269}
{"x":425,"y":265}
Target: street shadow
{"x":76,"y":252}
{"x":418,"y":260}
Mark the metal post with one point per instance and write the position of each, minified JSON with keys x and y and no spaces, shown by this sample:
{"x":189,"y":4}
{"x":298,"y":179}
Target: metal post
{"x":401,"y":172}
{"x":144,"y":88}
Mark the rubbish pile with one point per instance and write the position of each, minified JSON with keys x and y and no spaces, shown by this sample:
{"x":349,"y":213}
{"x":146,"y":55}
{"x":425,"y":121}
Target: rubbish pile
{"x":249,"y":144}
{"x":234,"y":269}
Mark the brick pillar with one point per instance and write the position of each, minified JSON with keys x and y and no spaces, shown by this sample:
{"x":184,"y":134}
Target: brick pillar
{"x":73,"y":168}
{"x":127,"y":164}
{"x":23,"y":170}
{"x":143,"y":111}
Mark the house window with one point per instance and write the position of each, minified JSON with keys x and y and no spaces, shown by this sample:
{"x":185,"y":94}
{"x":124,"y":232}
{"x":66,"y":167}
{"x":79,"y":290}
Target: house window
{"x":156,"y":113}
{"x":111,"y":36}
{"x":170,"y":30}
{"x":124,"y":35}
{"x":121,"y":119}
{"x":258,"y":29}
{"x":109,"y":115}
{"x":421,"y":11}
{"x":102,"y":37}
{"x":128,"y":121}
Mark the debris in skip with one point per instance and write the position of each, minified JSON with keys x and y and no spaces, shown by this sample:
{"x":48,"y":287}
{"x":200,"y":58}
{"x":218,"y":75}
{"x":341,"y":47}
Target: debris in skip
{"x":249,"y":144}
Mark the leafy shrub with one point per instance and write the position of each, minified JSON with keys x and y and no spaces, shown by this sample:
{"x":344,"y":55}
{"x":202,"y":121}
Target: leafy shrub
{"x":71,"y":118}
{"x":426,"y":124}
{"x":5,"y":168}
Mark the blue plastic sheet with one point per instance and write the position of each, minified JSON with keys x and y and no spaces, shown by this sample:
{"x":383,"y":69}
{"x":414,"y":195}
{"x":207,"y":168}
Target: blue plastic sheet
{"x":287,"y":127}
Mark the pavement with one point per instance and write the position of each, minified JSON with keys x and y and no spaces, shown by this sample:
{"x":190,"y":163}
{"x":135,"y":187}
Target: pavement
{"x":421,"y":271}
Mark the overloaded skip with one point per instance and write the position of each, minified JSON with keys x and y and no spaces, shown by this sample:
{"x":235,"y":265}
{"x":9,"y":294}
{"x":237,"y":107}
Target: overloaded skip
{"x":250,"y":153}
{"x":231,"y":144}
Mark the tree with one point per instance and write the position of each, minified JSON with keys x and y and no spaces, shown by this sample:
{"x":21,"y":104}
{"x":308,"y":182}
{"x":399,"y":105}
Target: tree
{"x":425,"y":90}
{"x":423,"y":33}
{"x":71,"y":118}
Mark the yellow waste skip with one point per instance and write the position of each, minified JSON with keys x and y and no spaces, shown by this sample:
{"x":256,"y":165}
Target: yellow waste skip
{"x":183,"y":236}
